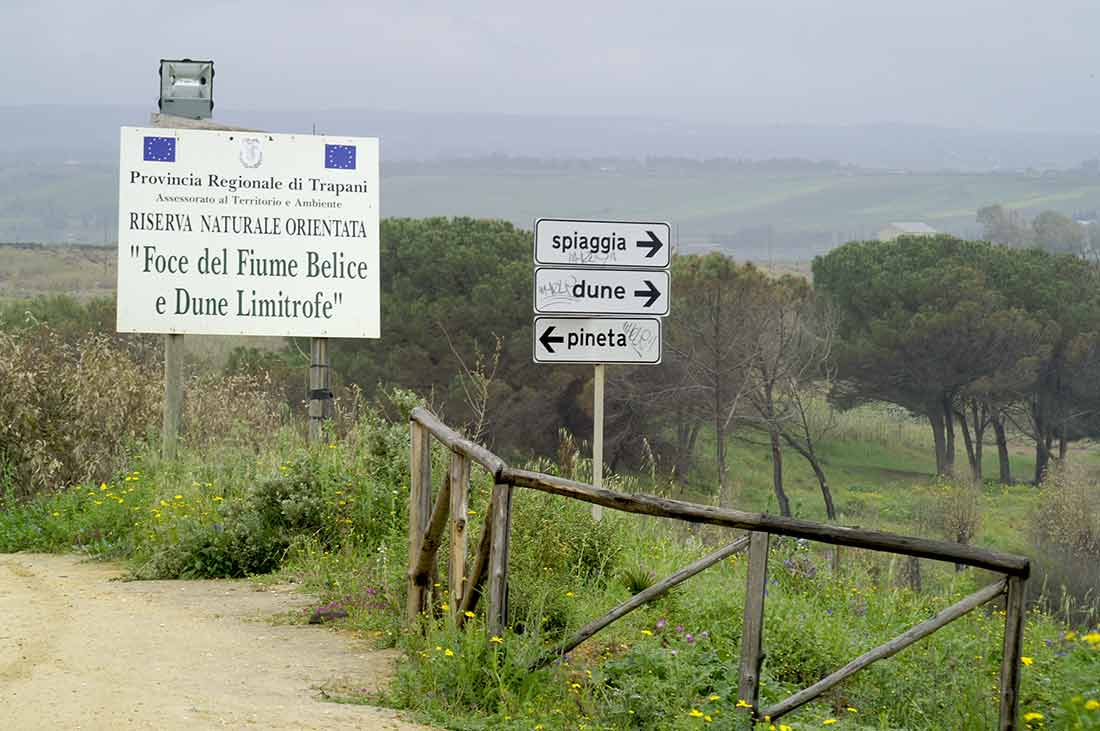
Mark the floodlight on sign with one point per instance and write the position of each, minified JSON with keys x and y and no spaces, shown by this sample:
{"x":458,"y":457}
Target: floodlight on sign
{"x":187,"y":88}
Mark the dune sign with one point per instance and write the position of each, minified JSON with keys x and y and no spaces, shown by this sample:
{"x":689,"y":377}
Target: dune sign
{"x":248,"y":233}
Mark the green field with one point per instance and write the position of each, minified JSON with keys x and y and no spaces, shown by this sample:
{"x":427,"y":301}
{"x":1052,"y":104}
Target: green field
{"x":809,"y":208}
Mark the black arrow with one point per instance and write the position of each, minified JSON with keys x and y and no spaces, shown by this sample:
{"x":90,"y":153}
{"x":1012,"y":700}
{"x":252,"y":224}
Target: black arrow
{"x":654,"y":244}
{"x":546,"y":340}
{"x":653,"y":293}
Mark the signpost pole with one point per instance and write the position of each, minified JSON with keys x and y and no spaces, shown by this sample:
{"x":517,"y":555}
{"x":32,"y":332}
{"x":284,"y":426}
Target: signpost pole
{"x":173,"y":394}
{"x":320,"y":388}
{"x":597,"y":436}
{"x":173,"y":376}
{"x":610,"y":282}
{"x":173,"y":342}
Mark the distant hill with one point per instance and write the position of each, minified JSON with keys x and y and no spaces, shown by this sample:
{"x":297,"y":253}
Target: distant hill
{"x":754,"y":192}
{"x":90,"y":133}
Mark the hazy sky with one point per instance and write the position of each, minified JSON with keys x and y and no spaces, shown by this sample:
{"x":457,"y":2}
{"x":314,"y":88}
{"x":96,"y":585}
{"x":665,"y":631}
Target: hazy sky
{"x":1004,"y":64}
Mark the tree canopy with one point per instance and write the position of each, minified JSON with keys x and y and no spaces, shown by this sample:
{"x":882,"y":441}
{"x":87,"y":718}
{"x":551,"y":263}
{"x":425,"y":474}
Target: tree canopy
{"x":927,"y":321}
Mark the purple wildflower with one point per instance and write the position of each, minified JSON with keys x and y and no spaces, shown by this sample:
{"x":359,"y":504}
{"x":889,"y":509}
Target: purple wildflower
{"x":661,"y":623}
{"x":689,"y":637}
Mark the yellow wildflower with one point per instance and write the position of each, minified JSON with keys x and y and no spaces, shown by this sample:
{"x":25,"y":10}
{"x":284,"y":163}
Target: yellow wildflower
{"x":448,"y":652}
{"x":569,"y":593}
{"x":850,"y":709}
{"x":828,"y":722}
{"x":496,"y":639}
{"x":179,"y":497}
{"x":742,"y":703}
{"x":707,"y":719}
{"x":1033,"y":716}
{"x":647,"y":633}
{"x":695,"y":713}
{"x":714,"y":697}
{"x":218,"y":498}
{"x":469,"y":614}
{"x":785,"y":727}
{"x":1092,"y":705}
{"x":1071,"y":636}
{"x":1026,"y":660}
{"x":445,"y":607}
{"x":1093,"y":638}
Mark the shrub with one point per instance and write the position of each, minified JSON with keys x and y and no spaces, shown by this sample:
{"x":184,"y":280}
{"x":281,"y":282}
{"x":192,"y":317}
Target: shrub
{"x":69,"y":413}
{"x":1066,"y":535}
{"x":231,"y":410}
{"x":957,"y":510}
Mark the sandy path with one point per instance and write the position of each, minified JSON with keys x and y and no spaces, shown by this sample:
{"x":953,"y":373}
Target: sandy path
{"x":80,"y":651}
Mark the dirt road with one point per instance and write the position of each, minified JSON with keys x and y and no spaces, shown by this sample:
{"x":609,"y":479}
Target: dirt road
{"x":80,"y":651}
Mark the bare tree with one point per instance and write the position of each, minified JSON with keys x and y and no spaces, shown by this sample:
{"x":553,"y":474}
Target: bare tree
{"x":712,"y":335}
{"x":793,"y":353}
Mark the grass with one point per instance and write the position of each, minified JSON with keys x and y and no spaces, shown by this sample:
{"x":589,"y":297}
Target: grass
{"x":333,"y":518}
{"x":83,"y":272}
{"x":881,"y":471}
{"x":807,"y":208}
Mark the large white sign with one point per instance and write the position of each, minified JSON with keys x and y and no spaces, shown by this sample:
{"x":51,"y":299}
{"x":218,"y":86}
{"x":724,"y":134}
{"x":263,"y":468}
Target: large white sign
{"x":597,"y":340}
{"x":601,"y":291}
{"x":247,"y":233}
{"x":576,"y":242}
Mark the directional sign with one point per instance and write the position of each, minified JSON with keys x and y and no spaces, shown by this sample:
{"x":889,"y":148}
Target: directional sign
{"x":632,"y":244}
{"x":601,"y":291}
{"x":597,"y":340}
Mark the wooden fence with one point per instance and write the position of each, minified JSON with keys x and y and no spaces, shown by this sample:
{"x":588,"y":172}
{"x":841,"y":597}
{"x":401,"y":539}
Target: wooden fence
{"x":428,"y":520}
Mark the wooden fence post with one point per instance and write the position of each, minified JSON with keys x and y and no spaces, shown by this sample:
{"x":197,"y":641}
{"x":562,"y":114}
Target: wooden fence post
{"x":460,"y":490}
{"x":752,"y":650}
{"x":1013,"y":647}
{"x":420,"y":508}
{"x":498,"y":559}
{"x":471,"y":595}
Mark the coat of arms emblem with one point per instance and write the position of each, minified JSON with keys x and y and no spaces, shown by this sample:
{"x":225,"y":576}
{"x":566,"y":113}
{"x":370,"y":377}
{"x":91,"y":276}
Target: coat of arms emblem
{"x":251,"y":153}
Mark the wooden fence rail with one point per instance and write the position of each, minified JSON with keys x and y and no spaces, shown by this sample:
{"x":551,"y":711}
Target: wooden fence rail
{"x":428,"y":519}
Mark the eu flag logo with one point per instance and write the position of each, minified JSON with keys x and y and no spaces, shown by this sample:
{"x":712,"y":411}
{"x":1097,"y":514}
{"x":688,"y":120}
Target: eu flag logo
{"x":340,"y":157}
{"x":160,"y":149}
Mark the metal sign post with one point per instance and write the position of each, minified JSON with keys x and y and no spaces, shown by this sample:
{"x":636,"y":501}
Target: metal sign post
{"x":610,"y":275}
{"x":174,"y":347}
{"x":237,"y":232}
{"x":597,"y":435}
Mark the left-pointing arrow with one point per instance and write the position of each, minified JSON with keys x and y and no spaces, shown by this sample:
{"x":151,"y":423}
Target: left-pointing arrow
{"x":546,"y":340}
